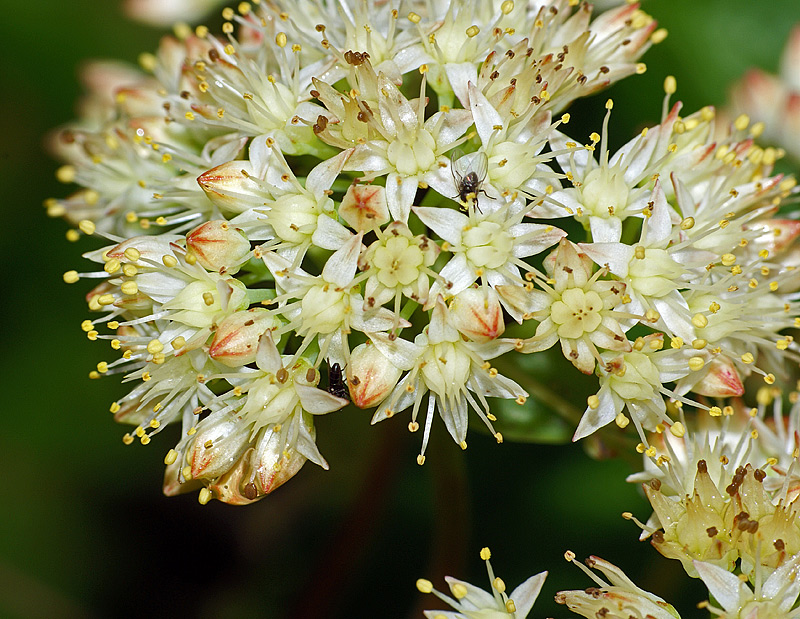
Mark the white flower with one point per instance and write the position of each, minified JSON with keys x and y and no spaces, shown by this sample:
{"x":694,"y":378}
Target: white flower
{"x":619,"y":599}
{"x":470,"y":602}
{"x":773,"y":596}
{"x":326,"y":307}
{"x":634,"y":380}
{"x":489,"y":245}
{"x":401,"y":144}
{"x":573,"y":307}
{"x":265,"y":417}
{"x":440,"y":361}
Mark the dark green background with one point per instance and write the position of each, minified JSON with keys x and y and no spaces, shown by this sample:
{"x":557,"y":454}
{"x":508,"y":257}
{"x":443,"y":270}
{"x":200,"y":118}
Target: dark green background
{"x":84,"y":528}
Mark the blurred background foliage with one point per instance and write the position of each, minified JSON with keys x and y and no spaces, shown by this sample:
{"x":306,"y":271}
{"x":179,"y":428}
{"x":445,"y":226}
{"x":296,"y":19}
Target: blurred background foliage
{"x":84,"y":528}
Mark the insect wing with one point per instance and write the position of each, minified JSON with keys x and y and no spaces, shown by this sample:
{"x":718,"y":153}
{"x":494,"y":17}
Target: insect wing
{"x":470,"y":168}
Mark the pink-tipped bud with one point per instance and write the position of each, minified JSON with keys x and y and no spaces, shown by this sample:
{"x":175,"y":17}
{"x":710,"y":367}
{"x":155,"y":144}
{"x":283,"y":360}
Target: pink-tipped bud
{"x":218,"y":245}
{"x":370,"y":375}
{"x":364,"y":207}
{"x":477,"y":313}
{"x":776,"y":234}
{"x":219,"y":441}
{"x":229,"y":186}
{"x":721,"y":381}
{"x":236,"y":340}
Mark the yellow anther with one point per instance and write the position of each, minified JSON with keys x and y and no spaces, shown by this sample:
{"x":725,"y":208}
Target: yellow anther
{"x":511,"y":607}
{"x":204,"y":496}
{"x":154,"y":346}
{"x":459,"y":590}
{"x":473,"y":31}
{"x":102,"y":367}
{"x":413,"y":426}
{"x":593,"y":402}
{"x":728,"y":259}
{"x":87,"y":227}
{"x":92,"y":335}
{"x":65,"y":174}
{"x":420,"y":457}
{"x":658,"y":36}
{"x":132,"y":254}
{"x":106,"y":299}
{"x":769,"y":379}
{"x":652,"y":315}
{"x":640,"y":68}
{"x":178,"y":342}
{"x":169,"y":261}
{"x":208,"y":298}
{"x":70,"y":277}
{"x":414,"y":18}
{"x":670,"y":85}
{"x":127,"y":439}
{"x":714,"y":307}
{"x":677,"y":429}
{"x":463,"y":444}
{"x":112,"y":266}
{"x":699,"y":321}
{"x":116,"y":344}
{"x":696,"y":363}
{"x":742,"y":121}
{"x":130,"y":288}
{"x":640,"y":448}
{"x":639,"y":252}
{"x":129,"y":270}
{"x":621,"y":420}
{"x":715,"y":411}
{"x":281,"y":39}
{"x":507,"y":7}
{"x":699,"y":344}
{"x":499,"y":585}
{"x":424,"y":586}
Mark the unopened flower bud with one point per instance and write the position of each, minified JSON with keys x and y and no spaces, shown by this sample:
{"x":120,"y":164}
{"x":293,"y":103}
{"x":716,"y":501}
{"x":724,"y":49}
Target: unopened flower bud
{"x":721,"y":380}
{"x":776,"y":234}
{"x":370,"y":375}
{"x":219,"y":441}
{"x":140,"y":249}
{"x":218,"y":246}
{"x":228,"y":186}
{"x":364,"y":207}
{"x":236,"y":340}
{"x":477,"y":313}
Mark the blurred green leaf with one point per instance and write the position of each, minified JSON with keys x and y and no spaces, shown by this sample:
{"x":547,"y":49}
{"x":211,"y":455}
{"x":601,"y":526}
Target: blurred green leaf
{"x":532,"y":422}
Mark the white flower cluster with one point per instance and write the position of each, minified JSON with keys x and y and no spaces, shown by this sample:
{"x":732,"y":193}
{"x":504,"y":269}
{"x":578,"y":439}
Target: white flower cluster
{"x":337,"y":193}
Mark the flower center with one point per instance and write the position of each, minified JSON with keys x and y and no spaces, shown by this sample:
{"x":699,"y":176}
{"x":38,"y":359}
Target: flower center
{"x":638,"y":379}
{"x":323,"y":309}
{"x":445,"y":368}
{"x":577,"y":312}
{"x":397,"y":262}
{"x":294,"y":217}
{"x":605,"y":193}
{"x":655,"y":273}
{"x":414,"y":154}
{"x":487,"y":245}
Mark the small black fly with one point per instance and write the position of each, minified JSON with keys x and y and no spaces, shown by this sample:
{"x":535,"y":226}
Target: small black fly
{"x":336,"y":382}
{"x":469,"y":172}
